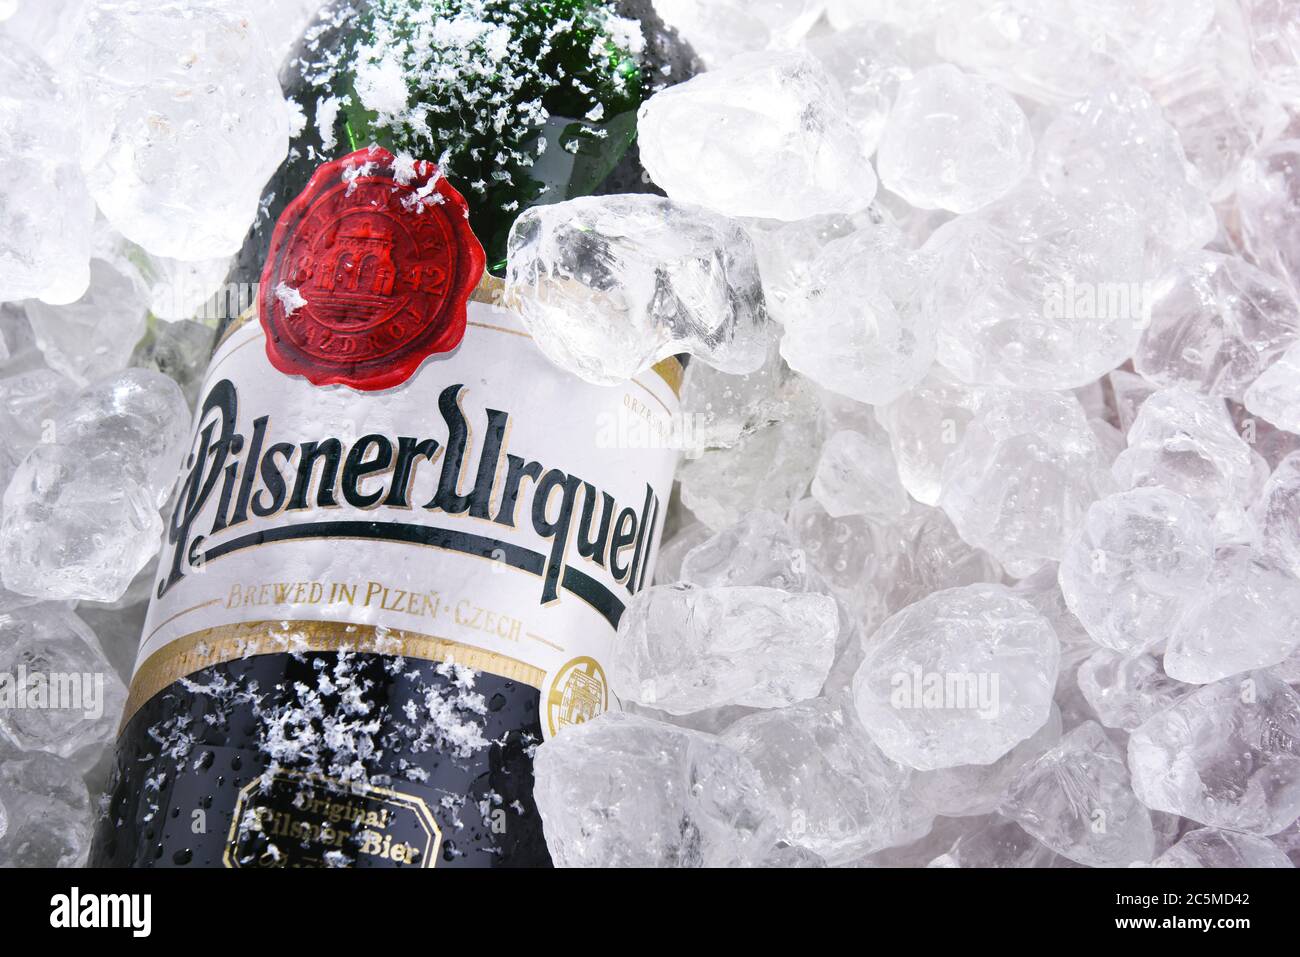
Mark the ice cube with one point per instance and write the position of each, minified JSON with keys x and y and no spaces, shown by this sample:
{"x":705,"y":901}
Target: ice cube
{"x":31,"y":397}
{"x":869,"y":62}
{"x":1115,"y":142}
{"x":925,"y":424}
{"x":849,"y":553}
{"x":1022,"y":477}
{"x":182,"y":120}
{"x":81,"y":512}
{"x":1043,"y":592}
{"x":179,"y":350}
{"x":1268,"y":207}
{"x":50,"y":817}
{"x":760,"y":549}
{"x":1135,"y":562}
{"x":953,"y":141}
{"x":856,"y":327}
{"x":717,"y":31}
{"x":971,"y":790}
{"x":1039,"y":290}
{"x":1184,"y":441}
{"x":1246,"y":616}
{"x":1227,"y":755}
{"x":1215,"y":100}
{"x":675,"y":547}
{"x":768,"y":469}
{"x":1218,"y":325}
{"x":723,"y":408}
{"x":995,"y":841}
{"x":856,"y":476}
{"x":925,"y":554}
{"x":66,"y":694}
{"x":841,"y":796}
{"x":1274,"y":30}
{"x":684,"y":648}
{"x":1076,"y":799}
{"x":1128,"y":392}
{"x":1211,"y":847}
{"x":46,"y":212}
{"x":622,"y":790}
{"x":904,"y":14}
{"x":1040,"y":49}
{"x":1275,"y":395}
{"x":960,"y":677}
{"x":1125,"y":691}
{"x":765,"y":135}
{"x":1277,"y":516}
{"x":92,"y":337}
{"x":610,"y":285}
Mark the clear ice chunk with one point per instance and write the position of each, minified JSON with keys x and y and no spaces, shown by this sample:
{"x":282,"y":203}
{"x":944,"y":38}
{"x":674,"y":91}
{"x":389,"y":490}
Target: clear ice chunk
{"x":81,"y":512}
{"x":869,"y":62}
{"x":960,"y":677}
{"x":182,"y":120}
{"x":1038,"y":49}
{"x":768,"y":468}
{"x":1124,"y":691}
{"x":179,"y":350}
{"x":1076,"y":799}
{"x":1039,"y":290}
{"x":760,"y":549}
{"x":842,"y":797}
{"x":71,"y":696}
{"x":50,"y":816}
{"x":1186,"y":442}
{"x":625,"y":791}
{"x":1217,"y":326}
{"x":971,"y":790}
{"x":722,"y":408}
{"x":1137,"y":559}
{"x":1277,"y":516}
{"x":92,"y":337}
{"x":953,"y":141}
{"x":1019,"y":482}
{"x":1275,"y":395}
{"x":856,"y":476}
{"x":925,"y":424}
{"x":684,"y":648}
{"x":1227,"y":755}
{"x":1211,"y":847}
{"x":610,"y":285}
{"x":1247,"y":616}
{"x":46,"y":212}
{"x":765,"y":135}
{"x":857,"y":327}
{"x":1116,"y":142}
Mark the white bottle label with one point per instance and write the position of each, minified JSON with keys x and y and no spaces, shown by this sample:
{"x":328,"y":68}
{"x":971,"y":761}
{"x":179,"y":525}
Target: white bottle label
{"x":490,"y":511}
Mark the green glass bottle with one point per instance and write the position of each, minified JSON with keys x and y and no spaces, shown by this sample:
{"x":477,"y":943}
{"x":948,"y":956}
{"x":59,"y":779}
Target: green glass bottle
{"x":388,"y":580}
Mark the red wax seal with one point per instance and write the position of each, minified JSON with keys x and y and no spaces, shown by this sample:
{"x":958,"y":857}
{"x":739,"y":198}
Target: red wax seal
{"x":368,"y":273}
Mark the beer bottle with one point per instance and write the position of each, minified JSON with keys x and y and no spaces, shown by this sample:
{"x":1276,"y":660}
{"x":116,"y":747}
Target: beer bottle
{"x":402,"y":540}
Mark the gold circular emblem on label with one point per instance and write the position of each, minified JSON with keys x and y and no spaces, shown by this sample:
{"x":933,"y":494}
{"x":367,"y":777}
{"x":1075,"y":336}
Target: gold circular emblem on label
{"x":578,"y":693}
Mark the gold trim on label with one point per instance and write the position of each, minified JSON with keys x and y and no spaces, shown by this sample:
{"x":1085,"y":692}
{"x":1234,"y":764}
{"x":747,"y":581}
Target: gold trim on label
{"x":184,"y":656}
{"x":491,"y":291}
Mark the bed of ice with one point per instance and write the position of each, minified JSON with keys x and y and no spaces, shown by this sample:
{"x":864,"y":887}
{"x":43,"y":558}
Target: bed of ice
{"x":987,"y":547}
